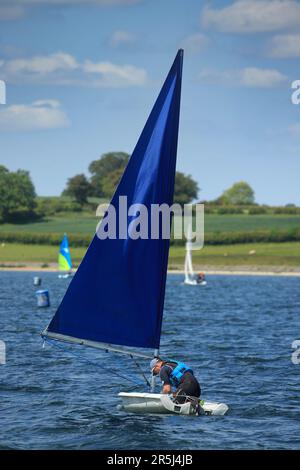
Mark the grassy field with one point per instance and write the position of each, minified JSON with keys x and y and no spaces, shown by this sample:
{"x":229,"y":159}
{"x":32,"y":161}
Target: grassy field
{"x":266,"y":254}
{"x":252,"y":254}
{"x":15,"y":252}
{"x":85,"y":223}
{"x":79,"y":222}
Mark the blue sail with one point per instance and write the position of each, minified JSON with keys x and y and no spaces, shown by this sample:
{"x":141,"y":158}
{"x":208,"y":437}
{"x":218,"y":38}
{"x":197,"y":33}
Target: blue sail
{"x":117,"y":294}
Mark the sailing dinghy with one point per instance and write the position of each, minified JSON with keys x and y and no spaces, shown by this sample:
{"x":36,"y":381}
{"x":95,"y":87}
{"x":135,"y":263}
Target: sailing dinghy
{"x":64,"y":259}
{"x":115,"y":300}
{"x":190,"y":277}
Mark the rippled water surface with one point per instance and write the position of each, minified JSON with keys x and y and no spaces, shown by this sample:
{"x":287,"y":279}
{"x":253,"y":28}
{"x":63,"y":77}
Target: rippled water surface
{"x":236,"y":334}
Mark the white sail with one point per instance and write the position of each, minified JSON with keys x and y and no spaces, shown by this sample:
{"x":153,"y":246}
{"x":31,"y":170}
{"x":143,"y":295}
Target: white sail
{"x":189,"y":275}
{"x":188,"y":266}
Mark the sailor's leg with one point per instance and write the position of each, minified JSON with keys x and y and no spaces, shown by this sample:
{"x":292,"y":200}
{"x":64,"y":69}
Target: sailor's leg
{"x":180,"y":396}
{"x":188,"y":388}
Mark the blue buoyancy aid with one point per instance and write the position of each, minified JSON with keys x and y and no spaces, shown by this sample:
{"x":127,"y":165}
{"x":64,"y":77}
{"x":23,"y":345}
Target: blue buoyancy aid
{"x":177,"y":373}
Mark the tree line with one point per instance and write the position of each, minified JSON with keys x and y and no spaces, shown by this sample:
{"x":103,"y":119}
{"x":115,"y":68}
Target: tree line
{"x":19,"y":203}
{"x":106,"y":173}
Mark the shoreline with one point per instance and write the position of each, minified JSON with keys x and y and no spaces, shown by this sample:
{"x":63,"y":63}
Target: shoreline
{"x":209,"y":270}
{"x":243,"y":273}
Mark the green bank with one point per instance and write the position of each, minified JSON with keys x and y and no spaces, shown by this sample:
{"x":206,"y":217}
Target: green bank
{"x":85,"y":223}
{"x":252,"y":254}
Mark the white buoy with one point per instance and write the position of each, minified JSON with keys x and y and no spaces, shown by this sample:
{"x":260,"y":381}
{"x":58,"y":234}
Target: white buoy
{"x":37,"y":281}
{"x":42,"y":297}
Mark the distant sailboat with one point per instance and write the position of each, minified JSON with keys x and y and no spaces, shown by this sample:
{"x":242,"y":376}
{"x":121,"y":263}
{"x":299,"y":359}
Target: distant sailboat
{"x":131,"y":272}
{"x":190,"y":277}
{"x":64,"y":259}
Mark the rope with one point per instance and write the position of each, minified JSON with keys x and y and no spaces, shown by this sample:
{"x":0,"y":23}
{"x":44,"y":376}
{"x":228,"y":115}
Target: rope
{"x":72,"y":353}
{"x":141,"y":370}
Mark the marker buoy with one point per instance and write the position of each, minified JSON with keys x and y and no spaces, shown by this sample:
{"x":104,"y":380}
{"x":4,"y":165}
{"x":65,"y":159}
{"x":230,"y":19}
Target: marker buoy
{"x":42,"y":298}
{"x":37,"y":281}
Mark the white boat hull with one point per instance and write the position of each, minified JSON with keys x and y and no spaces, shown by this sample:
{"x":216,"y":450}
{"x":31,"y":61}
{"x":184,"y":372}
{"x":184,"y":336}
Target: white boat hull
{"x":65,"y":276}
{"x":193,"y":282}
{"x":162,"y":404}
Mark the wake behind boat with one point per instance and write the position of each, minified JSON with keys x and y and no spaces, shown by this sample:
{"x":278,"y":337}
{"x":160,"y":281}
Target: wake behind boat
{"x":131,"y":271}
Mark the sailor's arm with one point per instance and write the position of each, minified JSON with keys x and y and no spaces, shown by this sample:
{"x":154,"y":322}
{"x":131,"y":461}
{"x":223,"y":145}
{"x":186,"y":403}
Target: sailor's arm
{"x":164,"y":377}
{"x":166,"y":388}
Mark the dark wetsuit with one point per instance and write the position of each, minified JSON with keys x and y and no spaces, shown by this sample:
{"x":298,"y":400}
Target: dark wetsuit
{"x":188,"y":385}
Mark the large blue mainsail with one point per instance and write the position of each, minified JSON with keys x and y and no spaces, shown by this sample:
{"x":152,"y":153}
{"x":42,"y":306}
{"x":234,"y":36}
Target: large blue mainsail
{"x":117,"y":293}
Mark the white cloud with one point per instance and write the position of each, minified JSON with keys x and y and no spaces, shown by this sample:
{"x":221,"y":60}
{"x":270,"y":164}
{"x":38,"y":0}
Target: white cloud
{"x":251,"y":77}
{"x":284,"y":45}
{"x":41,"y":65}
{"x":251,"y":16}
{"x":115,"y":75}
{"x":195,"y":43}
{"x":61,"y":68}
{"x":265,"y":78}
{"x":50,"y":103}
{"x":120,"y":38}
{"x":41,"y":114}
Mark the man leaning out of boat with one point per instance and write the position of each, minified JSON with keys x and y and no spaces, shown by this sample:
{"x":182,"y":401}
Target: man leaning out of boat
{"x":177,"y":375}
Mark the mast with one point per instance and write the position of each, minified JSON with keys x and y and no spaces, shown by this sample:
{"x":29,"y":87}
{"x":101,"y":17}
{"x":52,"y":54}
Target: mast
{"x":153,"y":378}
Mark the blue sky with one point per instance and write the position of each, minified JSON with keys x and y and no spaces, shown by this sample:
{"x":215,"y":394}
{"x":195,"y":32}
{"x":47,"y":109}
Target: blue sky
{"x":82,"y":77}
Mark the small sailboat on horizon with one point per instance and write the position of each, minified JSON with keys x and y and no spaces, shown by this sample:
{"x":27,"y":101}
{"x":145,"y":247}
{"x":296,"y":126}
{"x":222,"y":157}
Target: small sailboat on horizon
{"x":190,"y":278}
{"x":131,"y":271}
{"x":64,"y":259}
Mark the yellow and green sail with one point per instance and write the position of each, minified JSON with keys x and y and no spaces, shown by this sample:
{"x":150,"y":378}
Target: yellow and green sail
{"x":64,"y":257}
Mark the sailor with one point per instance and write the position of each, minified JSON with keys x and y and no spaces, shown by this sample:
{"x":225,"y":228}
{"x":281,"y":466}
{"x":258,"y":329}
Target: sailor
{"x":177,"y":375}
{"x":200,"y":278}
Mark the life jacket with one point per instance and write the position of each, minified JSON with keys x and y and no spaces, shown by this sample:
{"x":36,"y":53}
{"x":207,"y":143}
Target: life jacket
{"x":178,"y":372}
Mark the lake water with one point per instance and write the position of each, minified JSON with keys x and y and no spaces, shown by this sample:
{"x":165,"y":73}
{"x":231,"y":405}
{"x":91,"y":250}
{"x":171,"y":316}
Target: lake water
{"x":236,"y":333}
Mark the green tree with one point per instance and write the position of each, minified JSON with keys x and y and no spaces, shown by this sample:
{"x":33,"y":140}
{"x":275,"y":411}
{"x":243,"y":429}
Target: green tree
{"x":240,"y":193}
{"x":79,"y":188}
{"x":106,"y":173}
{"x":17,"y":195}
{"x":101,"y":168}
{"x":186,"y":189}
{"x":110,"y":182}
